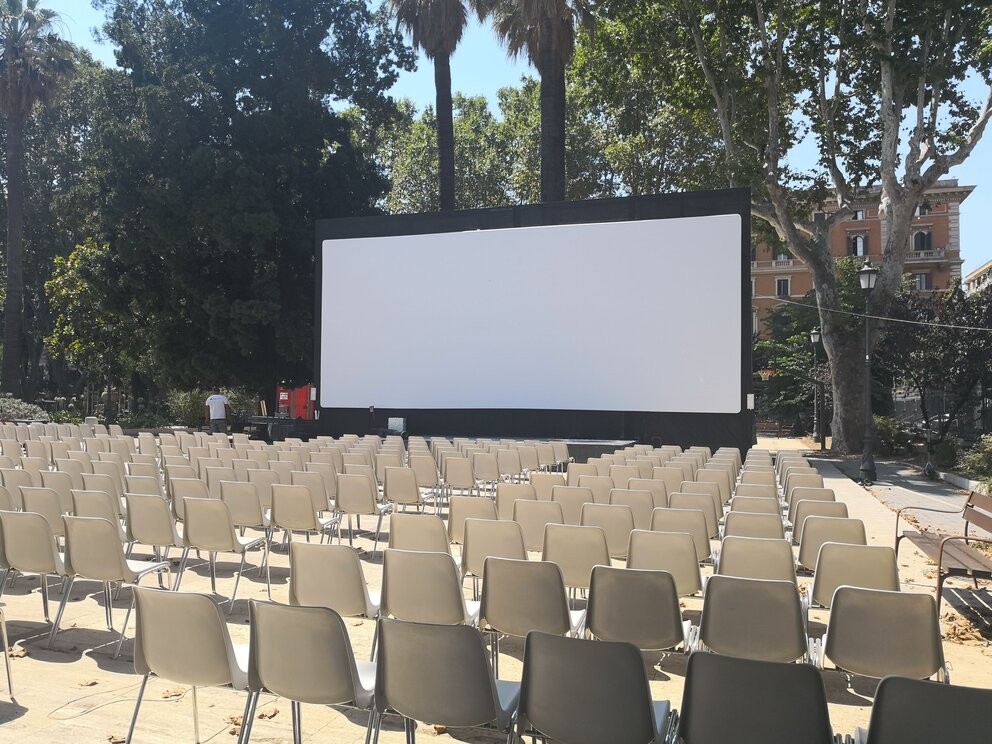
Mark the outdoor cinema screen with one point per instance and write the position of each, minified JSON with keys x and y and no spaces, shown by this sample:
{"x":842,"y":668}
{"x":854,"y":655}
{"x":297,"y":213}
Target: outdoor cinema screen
{"x":637,"y":315}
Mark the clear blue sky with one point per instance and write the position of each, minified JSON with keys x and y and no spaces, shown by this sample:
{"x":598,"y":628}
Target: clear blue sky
{"x":480,"y":67}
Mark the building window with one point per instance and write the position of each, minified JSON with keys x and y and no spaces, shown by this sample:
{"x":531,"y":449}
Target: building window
{"x":754,"y":254}
{"x":859,"y":214}
{"x":922,"y":281}
{"x":754,"y":321}
{"x":922,"y":241}
{"x":859,"y":245}
{"x":752,"y":286}
{"x":782,"y":287}
{"x":922,"y":210}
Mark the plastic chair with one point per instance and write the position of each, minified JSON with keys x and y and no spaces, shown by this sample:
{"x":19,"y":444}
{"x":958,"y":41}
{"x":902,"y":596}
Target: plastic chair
{"x":863,"y":566}
{"x":576,"y":550}
{"x":424,"y":532}
{"x":400,"y":488}
{"x":803,"y":493}
{"x":806,"y":509}
{"x":616,"y":521}
{"x":543,"y":483}
{"x":674,"y":552}
{"x":182,"y":637}
{"x":461,"y":508}
{"x":183,"y":489}
{"x":46,"y":502}
{"x":29,"y":547}
{"x":819,"y":530}
{"x":486,"y":538}
{"x":424,"y":587}
{"x":438,"y":674}
{"x":659,"y":493}
{"x":576,"y":470}
{"x":754,"y":490}
{"x":93,"y":552}
{"x":758,"y":702}
{"x":330,"y":576}
{"x":100,"y":505}
{"x":304,"y":654}
{"x":599,"y":485}
{"x":689,"y":521}
{"x":245,"y":505}
{"x":587,"y":692}
{"x":756,"y":558}
{"x":755,"y":505}
{"x":636,"y":606}
{"x":142,"y":484}
{"x":293,"y":510}
{"x":508,"y":493}
{"x":357,"y":497}
{"x":748,"y":524}
{"x":150,"y":522}
{"x":641,"y":504}
{"x":533,"y":517}
{"x":571,"y":499}
{"x":700,"y":502}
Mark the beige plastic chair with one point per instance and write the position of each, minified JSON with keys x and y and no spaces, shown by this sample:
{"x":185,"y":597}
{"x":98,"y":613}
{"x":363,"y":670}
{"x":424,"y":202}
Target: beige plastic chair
{"x":860,"y":635}
{"x":806,"y":509}
{"x":673,"y":552}
{"x":425,"y":471}
{"x":35,"y":466}
{"x":641,"y":504}
{"x":710,"y":489}
{"x":819,"y":530}
{"x":14,"y":481}
{"x":756,"y":505}
{"x":245,"y":505}
{"x":357,"y":497}
{"x":657,"y":489}
{"x":424,"y":587}
{"x":486,"y":538}
{"x":759,"y":702}
{"x":863,"y":566}
{"x":144,"y":470}
{"x":689,"y":521}
{"x":616,"y":521}
{"x":93,"y":552}
{"x":183,"y":489}
{"x":7,"y":503}
{"x":99,"y":505}
{"x":316,"y":483}
{"x":600,"y":485}
{"x":700,"y":502}
{"x":533,"y":516}
{"x":576,"y":550}
{"x":587,"y":692}
{"x":758,"y":478}
{"x":543,"y":483}
{"x":303,"y":654}
{"x":150,"y":522}
{"x":508,"y":493}
{"x":74,"y":468}
{"x":182,"y":637}
{"x":755,"y":490}
{"x":718,"y":476}
{"x":621,"y":474}
{"x":748,"y":524}
{"x":510,"y":467}
{"x":801,"y":480}
{"x":293,"y":510}
{"x":44,"y":501}
{"x":400,"y":488}
{"x":637,"y":606}
{"x":462,"y":691}
{"x":774,"y":629}
{"x":208,"y":527}
{"x":571,"y":499}
{"x":486,"y":470}
{"x":577,"y":469}
{"x":264,"y":480}
{"x":803,"y":493}
{"x":756,"y":558}
{"x":461,"y":508}
{"x":330,"y":576}
{"x":62,"y":484}
{"x":458,"y":475}
{"x":29,"y":547}
{"x":519,"y":596}
{"x":142,"y":484}
{"x":424,"y":532}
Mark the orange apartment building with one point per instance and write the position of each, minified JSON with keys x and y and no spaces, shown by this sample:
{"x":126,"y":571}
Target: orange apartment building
{"x":934,"y":260}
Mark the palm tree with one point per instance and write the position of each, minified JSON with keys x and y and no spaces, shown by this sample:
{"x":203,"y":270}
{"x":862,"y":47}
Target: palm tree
{"x":544,"y":30}
{"x":34,"y":63}
{"x":436,"y":27}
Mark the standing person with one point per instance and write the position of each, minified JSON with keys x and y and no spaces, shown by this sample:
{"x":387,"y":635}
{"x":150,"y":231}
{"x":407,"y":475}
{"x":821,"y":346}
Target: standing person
{"x":216,"y":410}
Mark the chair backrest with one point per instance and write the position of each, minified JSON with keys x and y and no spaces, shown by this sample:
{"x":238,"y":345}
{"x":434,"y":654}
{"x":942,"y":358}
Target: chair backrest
{"x":7,"y":502}
{"x":544,"y":482}
{"x":755,"y":505}
{"x":657,"y":488}
{"x":421,"y":587}
{"x":747,"y":524}
{"x":508,"y":493}
{"x":14,"y":480}
{"x":46,"y":502}
{"x":577,"y":469}
{"x":701,"y":502}
{"x":533,"y":516}
{"x":641,"y":504}
{"x":301,"y":653}
{"x":806,"y":493}
{"x":425,"y":470}
{"x":458,"y":473}
{"x":142,"y":484}
{"x":150,"y":522}
{"x":806,"y":509}
{"x":400,"y":486}
{"x":801,"y":480}
{"x":571,"y":499}
{"x":485,"y":467}
{"x":757,"y":558}
{"x":182,"y":637}
{"x":709,"y":488}
{"x":423,"y":532}
{"x":623,"y":473}
{"x":690,"y":521}
{"x":673,"y":552}
{"x":355,"y":494}
{"x":462,"y":691}
{"x":634,"y":605}
{"x":28,"y":543}
{"x":105,"y":483}
{"x":600,"y":485}
{"x":616,"y":521}
{"x":328,"y":576}
{"x":576,"y":550}
{"x":758,"y":490}
{"x":864,"y":566}
{"x":819,"y":530}
{"x":293,"y":508}
{"x":759,"y":702}
{"x":98,"y":504}
{"x":860,"y":637}
{"x":774,"y":629}
{"x":585,"y":692}
{"x":316,"y":483}
{"x":461,"y":508}
{"x":519,"y":596}
{"x":243,"y":501}
{"x":509,"y":462}
{"x":264,"y":480}
{"x":208,"y":525}
{"x":720,"y":477}
{"x":490,"y":537}
{"x":93,"y":550}
{"x":758,"y":478}
{"x":907,"y":710}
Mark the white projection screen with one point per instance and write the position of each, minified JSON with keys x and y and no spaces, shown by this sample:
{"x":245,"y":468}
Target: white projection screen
{"x":629,"y":315}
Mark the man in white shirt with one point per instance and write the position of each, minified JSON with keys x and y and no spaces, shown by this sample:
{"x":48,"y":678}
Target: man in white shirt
{"x":216,"y":410}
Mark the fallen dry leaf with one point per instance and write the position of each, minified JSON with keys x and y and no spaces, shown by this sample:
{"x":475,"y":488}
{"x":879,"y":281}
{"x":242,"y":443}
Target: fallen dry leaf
{"x":267,"y":714}
{"x":174,"y":692}
{"x":17,"y":652}
{"x":115,"y":739}
{"x":438,"y":730}
{"x":356,"y":624}
{"x":234,"y":720}
{"x":88,"y":683}
{"x":234,"y":730}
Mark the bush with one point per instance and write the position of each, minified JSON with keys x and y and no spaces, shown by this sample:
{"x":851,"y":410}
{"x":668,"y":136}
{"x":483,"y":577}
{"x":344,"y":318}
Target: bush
{"x":945,"y":454}
{"x":12,"y":408}
{"x":186,"y":406}
{"x":890,"y":439}
{"x":977,"y":462}
{"x":67,"y":416}
{"x":144,"y":419}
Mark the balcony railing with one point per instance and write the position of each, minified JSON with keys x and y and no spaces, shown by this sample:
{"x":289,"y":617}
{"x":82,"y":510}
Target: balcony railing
{"x":778,"y":263}
{"x":932,"y":254}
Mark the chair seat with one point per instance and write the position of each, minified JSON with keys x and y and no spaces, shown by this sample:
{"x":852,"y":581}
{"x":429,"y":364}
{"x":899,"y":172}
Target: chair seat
{"x":239,"y":675}
{"x":141,"y":568}
{"x":472,"y":612}
{"x":372,"y":606}
{"x":246,"y":543}
{"x":366,"y":679}
{"x":509,"y":695}
{"x":577,"y":619}
{"x":325,"y":522}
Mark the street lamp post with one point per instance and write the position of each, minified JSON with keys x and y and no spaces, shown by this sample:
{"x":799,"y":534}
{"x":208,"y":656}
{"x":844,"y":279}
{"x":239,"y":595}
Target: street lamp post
{"x":814,"y":339}
{"x":868,"y":276}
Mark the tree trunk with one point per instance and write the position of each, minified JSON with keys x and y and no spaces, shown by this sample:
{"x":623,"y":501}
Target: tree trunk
{"x":552,"y":116}
{"x":445,"y":132}
{"x":13,"y":309}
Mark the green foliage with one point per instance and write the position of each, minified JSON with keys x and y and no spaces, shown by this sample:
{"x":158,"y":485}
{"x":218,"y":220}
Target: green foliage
{"x":144,"y":419}
{"x":67,"y":416}
{"x":945,"y":454}
{"x":186,"y":406}
{"x":14,"y":409}
{"x":890,"y":439}
{"x":976,"y":461}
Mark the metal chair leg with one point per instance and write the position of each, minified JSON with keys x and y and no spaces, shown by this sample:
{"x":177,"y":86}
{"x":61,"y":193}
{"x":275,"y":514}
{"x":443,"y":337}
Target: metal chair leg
{"x":196,"y":718}
{"x":179,"y":571}
{"x":237,"y":580}
{"x":6,"y":656}
{"x":371,"y":727}
{"x":213,"y":572}
{"x":137,"y":706}
{"x":58,"y":616}
{"x":127,"y":616}
{"x":108,"y":608}
{"x":3,"y":581}
{"x":378,"y":528}
{"x":297,"y":723}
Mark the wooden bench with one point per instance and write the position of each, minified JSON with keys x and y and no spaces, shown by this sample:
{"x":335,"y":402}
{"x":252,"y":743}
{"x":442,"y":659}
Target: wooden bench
{"x":771,"y":427}
{"x":951,"y":553}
